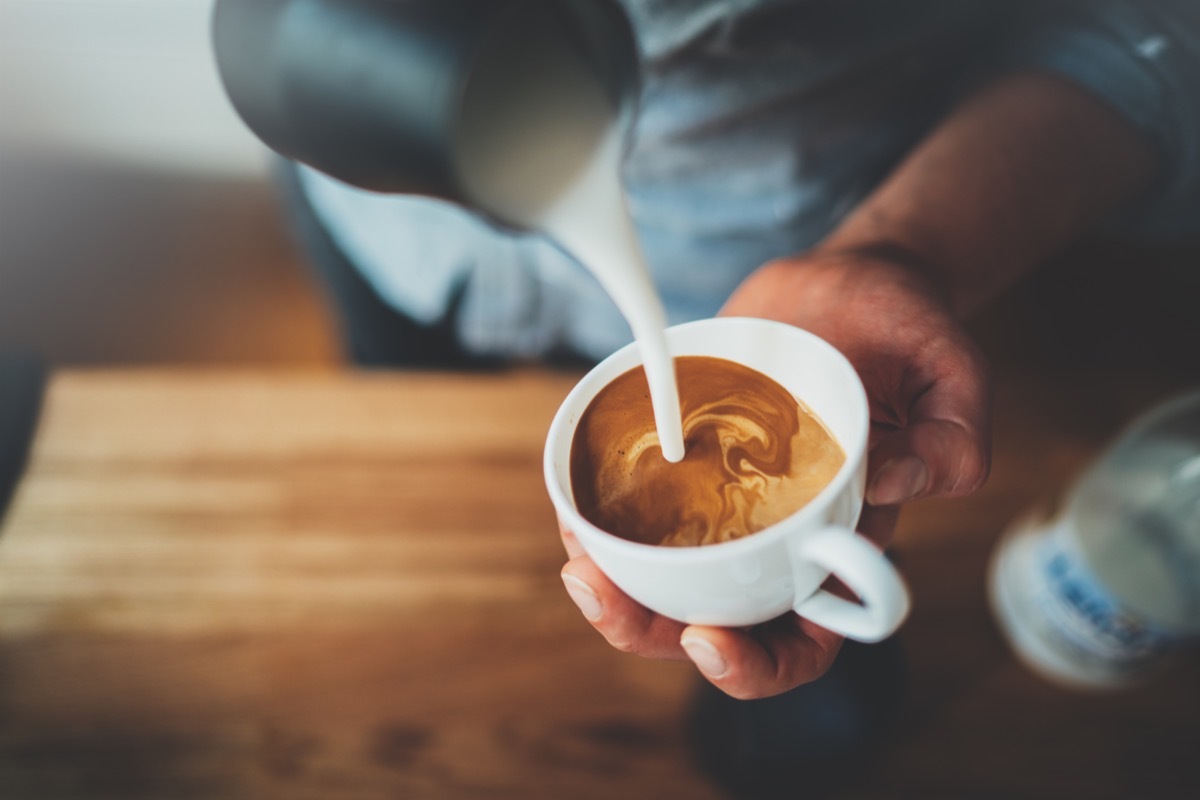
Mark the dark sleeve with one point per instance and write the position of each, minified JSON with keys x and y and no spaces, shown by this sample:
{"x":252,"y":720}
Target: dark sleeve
{"x":1143,"y":58}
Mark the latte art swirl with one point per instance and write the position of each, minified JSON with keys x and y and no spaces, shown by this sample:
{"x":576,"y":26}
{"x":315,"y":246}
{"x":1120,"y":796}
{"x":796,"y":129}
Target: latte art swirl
{"x":753,"y":456}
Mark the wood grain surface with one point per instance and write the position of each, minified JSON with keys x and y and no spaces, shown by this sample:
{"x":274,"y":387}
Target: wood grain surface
{"x":344,"y":585}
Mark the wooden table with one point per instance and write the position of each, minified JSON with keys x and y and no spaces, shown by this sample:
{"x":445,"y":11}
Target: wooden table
{"x":339,"y":585}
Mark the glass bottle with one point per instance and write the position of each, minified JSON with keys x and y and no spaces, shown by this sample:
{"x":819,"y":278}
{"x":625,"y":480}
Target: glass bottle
{"x":1108,"y":590}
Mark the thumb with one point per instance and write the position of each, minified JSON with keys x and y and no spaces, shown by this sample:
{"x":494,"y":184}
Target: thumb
{"x":944,"y":450}
{"x":936,"y":458}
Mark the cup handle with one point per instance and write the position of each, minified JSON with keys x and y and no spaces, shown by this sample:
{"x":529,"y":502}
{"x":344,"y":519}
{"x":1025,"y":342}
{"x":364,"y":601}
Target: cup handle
{"x":868,"y":573}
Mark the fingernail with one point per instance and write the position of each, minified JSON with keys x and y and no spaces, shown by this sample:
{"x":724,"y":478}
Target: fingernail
{"x":707,"y":658}
{"x":584,"y":596}
{"x":899,"y":480}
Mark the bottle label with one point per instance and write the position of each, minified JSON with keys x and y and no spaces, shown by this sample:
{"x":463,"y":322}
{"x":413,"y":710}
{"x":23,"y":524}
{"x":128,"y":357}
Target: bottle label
{"x":1084,"y":617}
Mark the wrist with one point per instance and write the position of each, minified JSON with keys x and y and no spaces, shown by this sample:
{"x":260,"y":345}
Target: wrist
{"x":888,"y":261}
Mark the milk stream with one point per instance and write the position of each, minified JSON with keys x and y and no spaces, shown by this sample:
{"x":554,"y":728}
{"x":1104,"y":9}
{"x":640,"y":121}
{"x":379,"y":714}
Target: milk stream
{"x":591,"y":220}
{"x":541,"y":146}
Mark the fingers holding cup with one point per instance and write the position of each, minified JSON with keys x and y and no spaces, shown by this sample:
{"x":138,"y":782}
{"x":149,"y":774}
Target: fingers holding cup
{"x":624,"y":623}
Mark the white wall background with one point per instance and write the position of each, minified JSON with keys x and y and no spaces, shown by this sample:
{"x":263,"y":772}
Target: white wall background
{"x":131,"y":81}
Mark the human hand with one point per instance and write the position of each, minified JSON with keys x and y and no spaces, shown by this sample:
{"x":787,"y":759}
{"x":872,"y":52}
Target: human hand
{"x":927,"y":383}
{"x":929,"y":397}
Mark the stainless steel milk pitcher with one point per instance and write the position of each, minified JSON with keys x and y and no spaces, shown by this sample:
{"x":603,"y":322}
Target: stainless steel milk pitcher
{"x":390,"y":95}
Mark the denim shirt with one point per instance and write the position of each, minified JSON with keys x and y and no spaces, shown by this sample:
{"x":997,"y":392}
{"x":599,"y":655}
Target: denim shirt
{"x":761,"y":123}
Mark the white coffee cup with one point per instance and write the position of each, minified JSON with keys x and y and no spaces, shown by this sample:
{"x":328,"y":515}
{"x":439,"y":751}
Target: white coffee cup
{"x":781,"y":568}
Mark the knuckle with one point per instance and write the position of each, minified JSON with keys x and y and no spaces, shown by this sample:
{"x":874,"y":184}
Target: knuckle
{"x":633,"y":635}
{"x":973,"y":470}
{"x":744,"y":692}
{"x":624,"y":645}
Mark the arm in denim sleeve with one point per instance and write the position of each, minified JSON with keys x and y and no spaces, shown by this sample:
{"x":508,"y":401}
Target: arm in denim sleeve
{"x":1143,"y":58}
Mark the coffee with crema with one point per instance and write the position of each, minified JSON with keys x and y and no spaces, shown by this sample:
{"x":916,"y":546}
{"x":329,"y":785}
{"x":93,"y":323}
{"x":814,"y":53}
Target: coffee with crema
{"x":754,"y":455}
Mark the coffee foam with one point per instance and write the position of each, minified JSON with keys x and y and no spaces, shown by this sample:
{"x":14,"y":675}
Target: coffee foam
{"x":754,"y":455}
